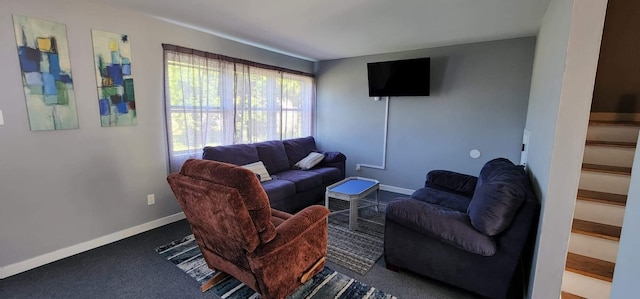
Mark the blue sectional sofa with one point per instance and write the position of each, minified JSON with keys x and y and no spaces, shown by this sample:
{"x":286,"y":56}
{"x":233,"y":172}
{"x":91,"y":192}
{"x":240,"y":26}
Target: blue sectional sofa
{"x":467,"y":231}
{"x":290,"y":189}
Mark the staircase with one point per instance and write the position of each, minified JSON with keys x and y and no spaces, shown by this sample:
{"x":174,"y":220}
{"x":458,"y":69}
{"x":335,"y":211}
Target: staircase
{"x":599,"y":211}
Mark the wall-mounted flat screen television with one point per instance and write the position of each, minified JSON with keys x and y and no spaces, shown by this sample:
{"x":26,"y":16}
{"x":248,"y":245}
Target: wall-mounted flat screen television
{"x":399,"y":78}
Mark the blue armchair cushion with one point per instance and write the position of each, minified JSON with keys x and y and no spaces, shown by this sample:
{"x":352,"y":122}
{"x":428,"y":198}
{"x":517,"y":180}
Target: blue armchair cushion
{"x":493,"y":206}
{"x":447,"y":225}
{"x":450,"y":181}
{"x":452,"y":201}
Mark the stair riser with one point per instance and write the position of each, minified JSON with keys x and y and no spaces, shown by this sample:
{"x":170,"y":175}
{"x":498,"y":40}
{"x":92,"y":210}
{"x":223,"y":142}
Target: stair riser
{"x":604,"y":182}
{"x":612,"y":133}
{"x":594,"y":247}
{"x":585,"y":286}
{"x":605,"y":155}
{"x":599,"y":212}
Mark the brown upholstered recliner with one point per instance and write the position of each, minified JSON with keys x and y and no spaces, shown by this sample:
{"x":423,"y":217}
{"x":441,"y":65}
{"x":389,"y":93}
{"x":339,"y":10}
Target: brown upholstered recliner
{"x":272,"y":252}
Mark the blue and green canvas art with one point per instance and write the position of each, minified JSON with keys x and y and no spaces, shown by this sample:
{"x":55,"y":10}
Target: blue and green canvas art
{"x":116,"y":98}
{"x":43,"y":53}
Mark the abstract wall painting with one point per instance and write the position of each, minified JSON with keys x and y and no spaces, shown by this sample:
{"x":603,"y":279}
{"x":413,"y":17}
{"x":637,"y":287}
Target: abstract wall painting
{"x":116,"y":98}
{"x":43,"y":52}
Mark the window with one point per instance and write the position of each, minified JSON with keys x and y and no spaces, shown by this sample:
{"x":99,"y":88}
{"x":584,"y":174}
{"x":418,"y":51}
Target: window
{"x":216,"y":100}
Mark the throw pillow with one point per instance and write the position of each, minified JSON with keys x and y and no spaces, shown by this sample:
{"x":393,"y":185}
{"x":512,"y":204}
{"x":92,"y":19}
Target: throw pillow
{"x":311,"y":160}
{"x":494,"y":205}
{"x":259,"y":169}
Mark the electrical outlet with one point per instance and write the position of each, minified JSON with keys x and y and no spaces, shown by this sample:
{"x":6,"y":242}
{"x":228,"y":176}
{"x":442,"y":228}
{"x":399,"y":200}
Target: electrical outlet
{"x":151,"y":199}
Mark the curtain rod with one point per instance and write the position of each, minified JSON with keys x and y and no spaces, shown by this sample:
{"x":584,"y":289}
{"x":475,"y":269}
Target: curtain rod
{"x":232,"y":59}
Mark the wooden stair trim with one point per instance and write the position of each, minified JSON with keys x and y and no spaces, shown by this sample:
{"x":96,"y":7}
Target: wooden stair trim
{"x":566,"y":295}
{"x":602,"y":197}
{"x":590,"y":267}
{"x":598,"y":230}
{"x":611,"y":143}
{"x":606,"y":169}
{"x":623,"y":123}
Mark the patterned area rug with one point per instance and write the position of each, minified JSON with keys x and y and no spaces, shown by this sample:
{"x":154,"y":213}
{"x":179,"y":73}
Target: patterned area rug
{"x":186,"y":255}
{"x":360,"y":249}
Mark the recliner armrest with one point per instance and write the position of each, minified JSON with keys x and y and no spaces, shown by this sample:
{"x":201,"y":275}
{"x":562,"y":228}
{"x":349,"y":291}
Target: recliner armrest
{"x":463,"y":184}
{"x":296,"y":225}
{"x":449,"y":226}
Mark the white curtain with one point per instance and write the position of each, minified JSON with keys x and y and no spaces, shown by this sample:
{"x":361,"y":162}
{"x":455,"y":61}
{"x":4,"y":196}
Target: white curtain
{"x":211,"y":101}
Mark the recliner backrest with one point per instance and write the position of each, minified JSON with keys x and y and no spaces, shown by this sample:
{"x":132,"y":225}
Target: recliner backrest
{"x":244,"y":182}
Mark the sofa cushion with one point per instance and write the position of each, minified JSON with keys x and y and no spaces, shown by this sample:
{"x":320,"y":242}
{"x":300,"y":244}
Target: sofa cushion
{"x":298,"y":148}
{"x":449,"y":226}
{"x":272,"y":154}
{"x":449,"y":200}
{"x":329,"y":175}
{"x":494,"y":204}
{"x":494,"y":169}
{"x":304,"y":180}
{"x":279,"y":188}
{"x":237,"y":154}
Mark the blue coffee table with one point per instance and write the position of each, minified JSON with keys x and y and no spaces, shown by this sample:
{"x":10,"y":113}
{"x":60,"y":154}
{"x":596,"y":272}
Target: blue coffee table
{"x":352,"y":189}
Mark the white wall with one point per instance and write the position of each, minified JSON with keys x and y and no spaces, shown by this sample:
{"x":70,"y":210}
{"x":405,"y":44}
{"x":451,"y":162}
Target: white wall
{"x":478,"y":100}
{"x":625,"y":278}
{"x":62,"y":188}
{"x":559,"y":103}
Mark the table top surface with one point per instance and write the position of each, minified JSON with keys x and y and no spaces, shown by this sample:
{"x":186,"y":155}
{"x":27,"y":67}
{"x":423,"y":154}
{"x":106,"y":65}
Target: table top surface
{"x":353,"y":186}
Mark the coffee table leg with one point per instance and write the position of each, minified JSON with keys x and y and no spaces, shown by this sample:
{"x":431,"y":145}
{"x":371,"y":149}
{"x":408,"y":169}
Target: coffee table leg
{"x":353,"y":214}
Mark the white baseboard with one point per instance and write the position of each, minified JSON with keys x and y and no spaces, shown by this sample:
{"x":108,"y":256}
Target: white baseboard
{"x":614,"y":116}
{"x":396,"y":189}
{"x":59,"y":254}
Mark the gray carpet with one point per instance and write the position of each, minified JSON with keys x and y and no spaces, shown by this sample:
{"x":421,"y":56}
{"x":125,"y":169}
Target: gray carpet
{"x":357,"y":250}
{"x":186,"y":255}
{"x":130,"y":268}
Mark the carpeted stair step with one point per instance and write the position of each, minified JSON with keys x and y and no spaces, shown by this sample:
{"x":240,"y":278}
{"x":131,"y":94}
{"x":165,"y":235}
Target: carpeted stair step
{"x":606,"y":169}
{"x":566,"y":295}
{"x":602,"y":197}
{"x":597,"y":230}
{"x":590,"y":267}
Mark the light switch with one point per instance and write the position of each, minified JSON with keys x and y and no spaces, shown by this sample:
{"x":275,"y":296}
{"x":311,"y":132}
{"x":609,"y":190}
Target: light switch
{"x":1,"y":119}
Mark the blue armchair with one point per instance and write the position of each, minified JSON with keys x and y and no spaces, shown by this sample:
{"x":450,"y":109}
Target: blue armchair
{"x":466,"y":231}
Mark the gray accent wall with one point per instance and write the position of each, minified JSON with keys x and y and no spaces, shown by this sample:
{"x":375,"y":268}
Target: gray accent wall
{"x":479,"y":97}
{"x":561,"y":88}
{"x":63,"y":188}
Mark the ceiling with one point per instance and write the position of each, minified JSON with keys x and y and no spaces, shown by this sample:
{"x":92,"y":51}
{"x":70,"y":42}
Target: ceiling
{"x":329,"y":29}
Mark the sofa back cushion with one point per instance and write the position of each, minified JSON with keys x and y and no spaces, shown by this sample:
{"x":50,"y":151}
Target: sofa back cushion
{"x":298,"y":148}
{"x":237,"y":154}
{"x":501,"y":190}
{"x":273,"y":155}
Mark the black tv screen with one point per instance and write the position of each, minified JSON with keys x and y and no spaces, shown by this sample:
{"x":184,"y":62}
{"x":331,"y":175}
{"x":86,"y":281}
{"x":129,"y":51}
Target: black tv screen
{"x":399,"y":78}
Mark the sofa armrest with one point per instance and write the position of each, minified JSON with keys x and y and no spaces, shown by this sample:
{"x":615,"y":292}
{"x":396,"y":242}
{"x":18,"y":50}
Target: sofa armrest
{"x":449,"y":226}
{"x":459,"y":183}
{"x":334,"y":159}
